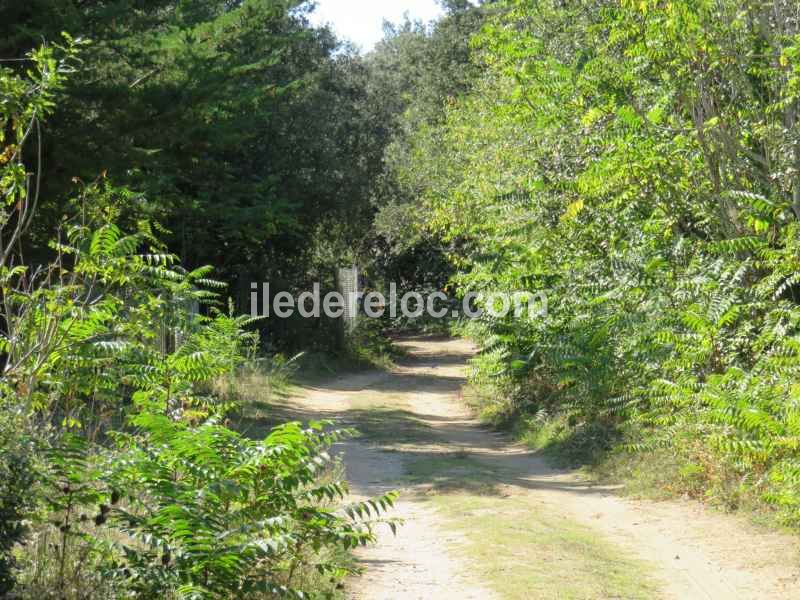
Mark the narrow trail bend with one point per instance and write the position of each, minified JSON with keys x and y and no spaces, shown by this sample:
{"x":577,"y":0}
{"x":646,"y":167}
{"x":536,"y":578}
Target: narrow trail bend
{"x":421,"y":439}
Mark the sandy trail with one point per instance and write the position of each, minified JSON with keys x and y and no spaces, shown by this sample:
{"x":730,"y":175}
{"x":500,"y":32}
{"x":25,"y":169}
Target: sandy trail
{"x":695,"y":553}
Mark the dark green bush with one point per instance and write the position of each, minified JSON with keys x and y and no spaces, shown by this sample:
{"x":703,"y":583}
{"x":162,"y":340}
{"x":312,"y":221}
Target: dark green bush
{"x":16,"y":500}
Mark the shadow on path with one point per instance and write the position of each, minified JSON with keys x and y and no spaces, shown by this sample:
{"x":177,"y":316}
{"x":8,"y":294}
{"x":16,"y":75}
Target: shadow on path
{"x":413,"y":414}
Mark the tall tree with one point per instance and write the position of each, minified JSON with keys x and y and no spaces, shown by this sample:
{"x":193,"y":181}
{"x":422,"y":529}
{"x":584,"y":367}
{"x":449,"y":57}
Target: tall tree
{"x":416,"y":72}
{"x":236,"y":125}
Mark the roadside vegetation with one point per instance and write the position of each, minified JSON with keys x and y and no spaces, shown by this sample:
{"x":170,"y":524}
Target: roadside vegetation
{"x":637,"y":162}
{"x":155,"y":160}
{"x":119,"y":474}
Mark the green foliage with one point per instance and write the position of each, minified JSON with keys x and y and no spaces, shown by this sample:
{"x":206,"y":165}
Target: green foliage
{"x":180,"y":511}
{"x":119,"y":476}
{"x":637,"y":162}
{"x":248,"y":134}
{"x":205,"y":513}
{"x":23,"y":102}
{"x":16,"y":502}
{"x":416,"y":71}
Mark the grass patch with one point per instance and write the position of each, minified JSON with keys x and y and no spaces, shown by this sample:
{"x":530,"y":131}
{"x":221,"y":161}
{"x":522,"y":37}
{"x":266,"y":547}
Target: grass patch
{"x":664,"y":474}
{"x":317,"y":367}
{"x":519,"y":552}
{"x":659,"y":475}
{"x":449,"y":473}
{"x":567,"y":441}
{"x":367,"y":348}
{"x":520,"y":548}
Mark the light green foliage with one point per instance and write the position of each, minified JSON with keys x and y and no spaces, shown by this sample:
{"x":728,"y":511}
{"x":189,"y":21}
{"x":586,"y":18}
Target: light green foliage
{"x":201,"y":512}
{"x":23,"y":102}
{"x":637,"y":162}
{"x":416,"y":71}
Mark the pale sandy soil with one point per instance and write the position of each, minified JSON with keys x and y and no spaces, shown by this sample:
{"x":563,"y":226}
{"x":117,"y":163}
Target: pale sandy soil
{"x":694,"y":553}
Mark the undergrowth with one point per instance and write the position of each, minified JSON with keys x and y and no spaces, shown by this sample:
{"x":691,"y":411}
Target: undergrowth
{"x":368,"y":346}
{"x":636,"y":163}
{"x":606,"y":452}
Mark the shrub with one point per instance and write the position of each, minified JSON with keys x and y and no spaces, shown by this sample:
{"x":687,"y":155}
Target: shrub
{"x":16,"y":500}
{"x":210,"y":514}
{"x":660,"y":217}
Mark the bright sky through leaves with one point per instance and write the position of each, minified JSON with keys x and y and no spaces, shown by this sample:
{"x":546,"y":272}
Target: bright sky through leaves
{"x":361,"y":21}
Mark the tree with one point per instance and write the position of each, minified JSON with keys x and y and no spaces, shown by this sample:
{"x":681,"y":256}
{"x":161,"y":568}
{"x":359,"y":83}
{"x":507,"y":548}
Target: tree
{"x":415,"y":73}
{"x":236,"y":126}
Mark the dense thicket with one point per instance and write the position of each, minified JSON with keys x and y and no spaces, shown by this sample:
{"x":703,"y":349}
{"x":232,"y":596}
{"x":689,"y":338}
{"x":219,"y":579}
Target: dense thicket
{"x":638,"y":162}
{"x":256,"y":148}
{"x":261,"y":145}
{"x":235,"y":125}
{"x":414,"y":73}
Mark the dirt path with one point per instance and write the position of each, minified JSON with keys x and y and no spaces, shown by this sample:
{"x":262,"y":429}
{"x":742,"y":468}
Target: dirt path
{"x":486,"y":519}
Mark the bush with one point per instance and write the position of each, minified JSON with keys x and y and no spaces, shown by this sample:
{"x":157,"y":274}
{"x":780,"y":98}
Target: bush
{"x":16,"y":500}
{"x":174,"y":511}
{"x":210,"y":514}
{"x":658,"y":217}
